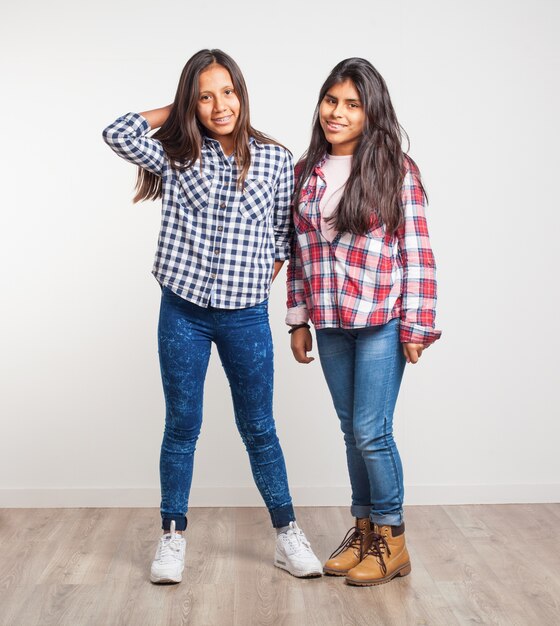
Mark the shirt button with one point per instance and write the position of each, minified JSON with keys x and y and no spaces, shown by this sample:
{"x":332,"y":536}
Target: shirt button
{"x":223,"y":205}
{"x":213,"y":276}
{"x":220,"y":228}
{"x":216,"y":251}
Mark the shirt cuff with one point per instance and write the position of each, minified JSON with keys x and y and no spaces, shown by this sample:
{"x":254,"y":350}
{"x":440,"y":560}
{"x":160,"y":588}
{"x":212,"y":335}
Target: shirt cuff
{"x":139,"y":124}
{"x":297,"y":315}
{"x":282,"y":253}
{"x":414,"y":333}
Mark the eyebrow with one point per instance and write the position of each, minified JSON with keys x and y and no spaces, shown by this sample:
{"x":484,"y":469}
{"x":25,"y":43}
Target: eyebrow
{"x":221,"y":89}
{"x":329,"y":95}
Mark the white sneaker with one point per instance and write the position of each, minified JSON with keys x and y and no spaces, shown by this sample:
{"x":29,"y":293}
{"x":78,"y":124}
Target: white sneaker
{"x":294,"y":554}
{"x":169,"y":561}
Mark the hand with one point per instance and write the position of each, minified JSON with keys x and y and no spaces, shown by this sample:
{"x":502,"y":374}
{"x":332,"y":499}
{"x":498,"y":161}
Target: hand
{"x":157,"y":117}
{"x":302,"y":343}
{"x":412,"y":351}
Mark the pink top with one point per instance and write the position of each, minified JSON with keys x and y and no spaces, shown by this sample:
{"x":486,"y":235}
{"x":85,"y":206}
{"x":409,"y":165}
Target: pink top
{"x":336,"y":170}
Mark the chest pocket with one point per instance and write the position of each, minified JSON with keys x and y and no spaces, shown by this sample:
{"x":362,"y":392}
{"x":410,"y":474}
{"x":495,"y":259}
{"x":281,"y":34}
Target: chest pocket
{"x":193,"y":189}
{"x":307,"y":212}
{"x":302,"y":218}
{"x":257,"y":199}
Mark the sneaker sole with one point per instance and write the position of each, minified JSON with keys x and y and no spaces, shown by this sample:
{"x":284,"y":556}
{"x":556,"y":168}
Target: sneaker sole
{"x":296,"y":574}
{"x":165,"y":580}
{"x":404,"y":570}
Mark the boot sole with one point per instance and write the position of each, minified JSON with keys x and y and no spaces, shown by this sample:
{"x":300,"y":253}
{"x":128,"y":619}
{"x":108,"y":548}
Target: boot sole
{"x":404,"y":570}
{"x":334,"y":572}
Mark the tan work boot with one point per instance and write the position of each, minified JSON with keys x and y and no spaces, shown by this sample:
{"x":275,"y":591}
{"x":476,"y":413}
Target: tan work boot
{"x":350,"y":552}
{"x":385,"y":557}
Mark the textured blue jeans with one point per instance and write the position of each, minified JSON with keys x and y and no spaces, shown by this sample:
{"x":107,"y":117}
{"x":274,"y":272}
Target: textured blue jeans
{"x":363,"y":369}
{"x":244,"y":343}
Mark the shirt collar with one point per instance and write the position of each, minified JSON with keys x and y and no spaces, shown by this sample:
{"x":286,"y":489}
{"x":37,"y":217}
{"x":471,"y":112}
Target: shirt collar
{"x":317,"y":169}
{"x":209,"y":141}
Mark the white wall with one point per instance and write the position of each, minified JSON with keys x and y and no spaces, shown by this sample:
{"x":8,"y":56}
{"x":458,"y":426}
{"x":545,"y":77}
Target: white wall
{"x":475,"y":85}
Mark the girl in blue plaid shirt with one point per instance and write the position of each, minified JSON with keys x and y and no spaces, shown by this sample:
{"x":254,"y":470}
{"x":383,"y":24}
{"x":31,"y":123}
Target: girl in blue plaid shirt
{"x":225,"y":190}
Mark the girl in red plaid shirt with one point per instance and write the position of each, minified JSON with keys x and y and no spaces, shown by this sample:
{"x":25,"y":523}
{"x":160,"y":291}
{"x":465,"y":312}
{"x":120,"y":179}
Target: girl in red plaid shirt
{"x":362,"y":270}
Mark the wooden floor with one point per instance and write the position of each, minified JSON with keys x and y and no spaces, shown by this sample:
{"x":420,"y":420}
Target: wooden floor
{"x":497,"y":564}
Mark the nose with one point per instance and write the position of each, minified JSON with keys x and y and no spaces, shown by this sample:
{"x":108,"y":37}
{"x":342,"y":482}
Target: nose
{"x":219,"y":105}
{"x":337,"y":111}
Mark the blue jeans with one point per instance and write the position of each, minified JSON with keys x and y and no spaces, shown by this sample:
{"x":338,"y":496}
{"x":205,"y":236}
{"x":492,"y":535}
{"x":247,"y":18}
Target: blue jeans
{"x":242,"y":336}
{"x":363,"y":369}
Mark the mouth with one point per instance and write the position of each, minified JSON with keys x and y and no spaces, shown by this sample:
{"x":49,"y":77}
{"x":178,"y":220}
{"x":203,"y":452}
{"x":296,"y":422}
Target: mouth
{"x":334,"y":126}
{"x":222,"y":120}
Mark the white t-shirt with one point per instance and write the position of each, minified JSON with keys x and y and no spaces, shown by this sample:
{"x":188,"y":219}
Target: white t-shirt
{"x":336,"y":170}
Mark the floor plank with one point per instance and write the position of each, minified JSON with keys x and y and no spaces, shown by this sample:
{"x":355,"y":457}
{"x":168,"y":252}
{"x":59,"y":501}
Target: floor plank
{"x":483,"y":564}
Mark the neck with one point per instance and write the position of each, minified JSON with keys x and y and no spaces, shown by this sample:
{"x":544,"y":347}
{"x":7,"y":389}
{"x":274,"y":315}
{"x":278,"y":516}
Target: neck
{"x":227,"y":145}
{"x":346,"y":148}
{"x":342,"y":150}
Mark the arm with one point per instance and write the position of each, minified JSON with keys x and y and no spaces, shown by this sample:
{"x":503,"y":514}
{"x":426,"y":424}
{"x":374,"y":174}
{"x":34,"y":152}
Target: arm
{"x":419,"y":281}
{"x":282,"y":216}
{"x":296,"y":303}
{"x":301,"y":339}
{"x":127,"y":137}
{"x":157,"y":117}
{"x":277,"y":267}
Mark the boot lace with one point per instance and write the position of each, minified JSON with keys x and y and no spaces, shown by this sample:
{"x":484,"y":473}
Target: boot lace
{"x":377,"y":548}
{"x":354,"y":539}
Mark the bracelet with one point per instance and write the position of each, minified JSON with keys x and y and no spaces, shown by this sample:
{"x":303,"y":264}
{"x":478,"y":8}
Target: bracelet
{"x":296,"y":326}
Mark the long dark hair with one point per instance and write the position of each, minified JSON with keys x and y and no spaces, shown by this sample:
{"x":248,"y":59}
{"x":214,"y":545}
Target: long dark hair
{"x":373,"y":191}
{"x":181,"y":135}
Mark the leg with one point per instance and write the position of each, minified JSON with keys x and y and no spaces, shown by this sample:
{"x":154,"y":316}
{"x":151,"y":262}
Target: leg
{"x":244,"y":343}
{"x":379,"y":370}
{"x":337,"y":349}
{"x":184,"y":340}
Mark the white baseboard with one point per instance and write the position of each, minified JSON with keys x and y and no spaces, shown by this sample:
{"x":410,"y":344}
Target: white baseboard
{"x":248,"y":496}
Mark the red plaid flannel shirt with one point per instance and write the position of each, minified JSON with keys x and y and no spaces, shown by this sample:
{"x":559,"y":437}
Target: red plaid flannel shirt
{"x":357,"y":281}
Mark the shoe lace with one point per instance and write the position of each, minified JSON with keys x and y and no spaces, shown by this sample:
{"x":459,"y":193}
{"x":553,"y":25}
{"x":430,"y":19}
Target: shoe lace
{"x":377,"y":548}
{"x":297,"y":539}
{"x":353,"y":540}
{"x":169,"y":548}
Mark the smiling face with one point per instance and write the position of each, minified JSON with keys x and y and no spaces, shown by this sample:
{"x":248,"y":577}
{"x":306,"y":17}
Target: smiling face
{"x":342,"y":117}
{"x":218,"y":106}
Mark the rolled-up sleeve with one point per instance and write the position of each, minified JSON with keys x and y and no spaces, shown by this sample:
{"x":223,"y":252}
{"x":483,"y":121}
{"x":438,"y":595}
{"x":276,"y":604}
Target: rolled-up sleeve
{"x":419,"y":292}
{"x":128,"y":137}
{"x":294,"y":278}
{"x":282,"y":216}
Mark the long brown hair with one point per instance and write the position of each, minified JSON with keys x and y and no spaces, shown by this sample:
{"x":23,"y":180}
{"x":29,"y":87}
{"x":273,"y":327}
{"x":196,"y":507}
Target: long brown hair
{"x":182,"y":134}
{"x":373,"y":190}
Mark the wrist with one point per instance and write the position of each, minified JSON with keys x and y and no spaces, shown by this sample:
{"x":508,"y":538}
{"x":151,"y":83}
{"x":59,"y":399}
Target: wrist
{"x":294,"y":327}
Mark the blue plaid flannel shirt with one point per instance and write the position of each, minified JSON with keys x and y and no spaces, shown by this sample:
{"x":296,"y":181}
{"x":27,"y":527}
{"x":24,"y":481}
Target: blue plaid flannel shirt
{"x":217,"y":245}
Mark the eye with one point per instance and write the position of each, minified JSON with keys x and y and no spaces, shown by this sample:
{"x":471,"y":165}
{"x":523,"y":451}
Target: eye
{"x":205,"y":97}
{"x":330,"y":100}
{"x":228,"y":92}
{"x":353,"y":105}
